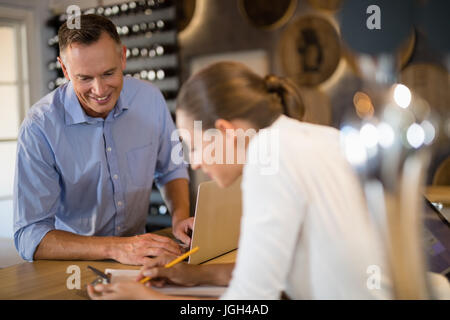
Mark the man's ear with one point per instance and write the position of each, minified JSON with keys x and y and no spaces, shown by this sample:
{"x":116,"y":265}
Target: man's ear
{"x":124,"y":57}
{"x":64,"y":69}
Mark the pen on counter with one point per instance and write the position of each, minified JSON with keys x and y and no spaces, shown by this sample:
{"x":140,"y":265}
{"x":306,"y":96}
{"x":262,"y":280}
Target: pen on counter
{"x":173,"y":262}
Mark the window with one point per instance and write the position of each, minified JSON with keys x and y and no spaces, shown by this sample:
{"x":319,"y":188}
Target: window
{"x":14,"y":92}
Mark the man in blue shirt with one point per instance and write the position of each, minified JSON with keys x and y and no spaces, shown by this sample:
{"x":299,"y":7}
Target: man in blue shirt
{"x":87,"y":156}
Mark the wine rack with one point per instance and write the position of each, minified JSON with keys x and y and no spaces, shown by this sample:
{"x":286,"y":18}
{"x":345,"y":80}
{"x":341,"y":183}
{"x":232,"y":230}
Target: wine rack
{"x":148,"y":29}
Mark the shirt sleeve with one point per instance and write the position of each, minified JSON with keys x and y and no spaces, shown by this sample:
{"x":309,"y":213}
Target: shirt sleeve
{"x":273,"y":211}
{"x":168,"y":164}
{"x":36,"y":190}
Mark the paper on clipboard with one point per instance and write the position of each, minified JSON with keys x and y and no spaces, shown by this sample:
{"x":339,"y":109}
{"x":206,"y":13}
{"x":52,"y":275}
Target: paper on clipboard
{"x":118,"y":275}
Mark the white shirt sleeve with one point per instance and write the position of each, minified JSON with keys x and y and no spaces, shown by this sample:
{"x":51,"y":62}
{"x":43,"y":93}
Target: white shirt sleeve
{"x":273,"y":211}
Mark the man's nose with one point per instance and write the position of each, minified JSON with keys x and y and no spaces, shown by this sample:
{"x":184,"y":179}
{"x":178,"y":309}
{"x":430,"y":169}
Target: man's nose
{"x":99,"y":87}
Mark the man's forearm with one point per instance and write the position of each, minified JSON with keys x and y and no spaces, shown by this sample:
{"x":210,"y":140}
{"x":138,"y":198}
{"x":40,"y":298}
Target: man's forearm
{"x":176,"y":196}
{"x":58,"y":244}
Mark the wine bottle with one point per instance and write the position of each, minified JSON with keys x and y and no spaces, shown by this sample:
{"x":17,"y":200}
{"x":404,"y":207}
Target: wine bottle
{"x":164,"y":49}
{"x":90,"y":11}
{"x":143,"y":26}
{"x":162,"y":25}
{"x":144,"y":74}
{"x":108,"y":11}
{"x":151,"y":75}
{"x":135,"y":52}
{"x":60,"y":81}
{"x":51,"y":85}
{"x":133,"y":7}
{"x":162,"y":209}
{"x":124,"y":8}
{"x":52,"y":66}
{"x":115,"y":10}
{"x":125,"y":30}
{"x":144,"y":52}
{"x":53,"y":41}
{"x":100,"y":11}
{"x":135,"y":28}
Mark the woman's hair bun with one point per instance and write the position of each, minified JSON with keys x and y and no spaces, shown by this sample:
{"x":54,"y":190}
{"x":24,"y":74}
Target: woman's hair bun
{"x":288,"y":93}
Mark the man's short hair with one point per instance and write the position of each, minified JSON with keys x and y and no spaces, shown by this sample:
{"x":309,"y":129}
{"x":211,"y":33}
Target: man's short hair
{"x":91,"y":28}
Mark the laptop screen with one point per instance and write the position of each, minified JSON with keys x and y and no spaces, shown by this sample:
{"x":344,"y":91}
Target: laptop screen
{"x":437,"y":240}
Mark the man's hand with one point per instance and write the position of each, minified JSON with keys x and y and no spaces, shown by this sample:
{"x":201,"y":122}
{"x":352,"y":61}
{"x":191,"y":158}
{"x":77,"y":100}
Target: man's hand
{"x":137,"y":250}
{"x":183,"y":229}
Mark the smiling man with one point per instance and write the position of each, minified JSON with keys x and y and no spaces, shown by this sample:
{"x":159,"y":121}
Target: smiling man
{"x":88,"y":154}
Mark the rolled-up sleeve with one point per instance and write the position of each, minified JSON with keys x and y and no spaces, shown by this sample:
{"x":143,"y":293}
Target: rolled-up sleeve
{"x":36,"y":190}
{"x":167,"y":168}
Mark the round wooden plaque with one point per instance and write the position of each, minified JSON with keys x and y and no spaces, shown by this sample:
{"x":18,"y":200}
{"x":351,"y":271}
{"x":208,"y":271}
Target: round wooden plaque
{"x":185,"y":12}
{"x":442,"y":174}
{"x":430,"y":82}
{"x":309,"y":50}
{"x":403,"y":54}
{"x":329,"y":5}
{"x":267,"y":14}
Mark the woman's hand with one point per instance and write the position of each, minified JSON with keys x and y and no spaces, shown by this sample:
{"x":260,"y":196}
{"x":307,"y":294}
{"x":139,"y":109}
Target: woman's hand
{"x":125,"y":290}
{"x":181,"y":274}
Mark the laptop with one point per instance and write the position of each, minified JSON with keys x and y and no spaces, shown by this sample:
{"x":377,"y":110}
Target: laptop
{"x":437,"y":240}
{"x":217,"y":221}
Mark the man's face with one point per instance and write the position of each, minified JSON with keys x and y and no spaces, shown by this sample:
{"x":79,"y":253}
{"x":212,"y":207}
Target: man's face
{"x":96,"y":72}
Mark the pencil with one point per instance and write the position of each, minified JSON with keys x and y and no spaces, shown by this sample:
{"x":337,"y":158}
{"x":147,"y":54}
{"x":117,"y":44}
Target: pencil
{"x":173,"y":262}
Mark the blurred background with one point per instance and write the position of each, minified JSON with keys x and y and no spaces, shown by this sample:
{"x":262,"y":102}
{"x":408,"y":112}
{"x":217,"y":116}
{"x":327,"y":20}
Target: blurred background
{"x":168,"y":40}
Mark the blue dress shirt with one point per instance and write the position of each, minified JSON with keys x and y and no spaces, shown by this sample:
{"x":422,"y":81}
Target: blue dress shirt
{"x":91,"y":176}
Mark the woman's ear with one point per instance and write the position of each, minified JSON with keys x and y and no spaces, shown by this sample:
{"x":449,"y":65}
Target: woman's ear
{"x":224,"y":125}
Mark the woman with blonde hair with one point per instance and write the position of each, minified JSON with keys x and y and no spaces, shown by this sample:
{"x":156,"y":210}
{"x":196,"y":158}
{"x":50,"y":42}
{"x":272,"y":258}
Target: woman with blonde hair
{"x":305,"y":228}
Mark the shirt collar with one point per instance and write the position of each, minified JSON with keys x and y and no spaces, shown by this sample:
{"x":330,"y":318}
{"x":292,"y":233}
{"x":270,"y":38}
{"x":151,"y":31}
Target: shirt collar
{"x":121,"y":105}
{"x":74,"y":113}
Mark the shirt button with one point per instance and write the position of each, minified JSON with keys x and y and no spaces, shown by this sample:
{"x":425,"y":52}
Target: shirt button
{"x":119,"y":203}
{"x":109,"y":149}
{"x":115,"y":177}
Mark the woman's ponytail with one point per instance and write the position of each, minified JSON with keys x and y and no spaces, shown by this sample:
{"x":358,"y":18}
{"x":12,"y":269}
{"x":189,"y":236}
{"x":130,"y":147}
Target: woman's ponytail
{"x":288,"y":93}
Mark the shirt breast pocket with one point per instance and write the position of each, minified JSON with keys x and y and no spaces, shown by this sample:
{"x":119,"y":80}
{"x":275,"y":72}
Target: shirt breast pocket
{"x":141,"y":164}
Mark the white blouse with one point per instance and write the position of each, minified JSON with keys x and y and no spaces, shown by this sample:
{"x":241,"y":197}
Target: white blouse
{"x":305,"y":228}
